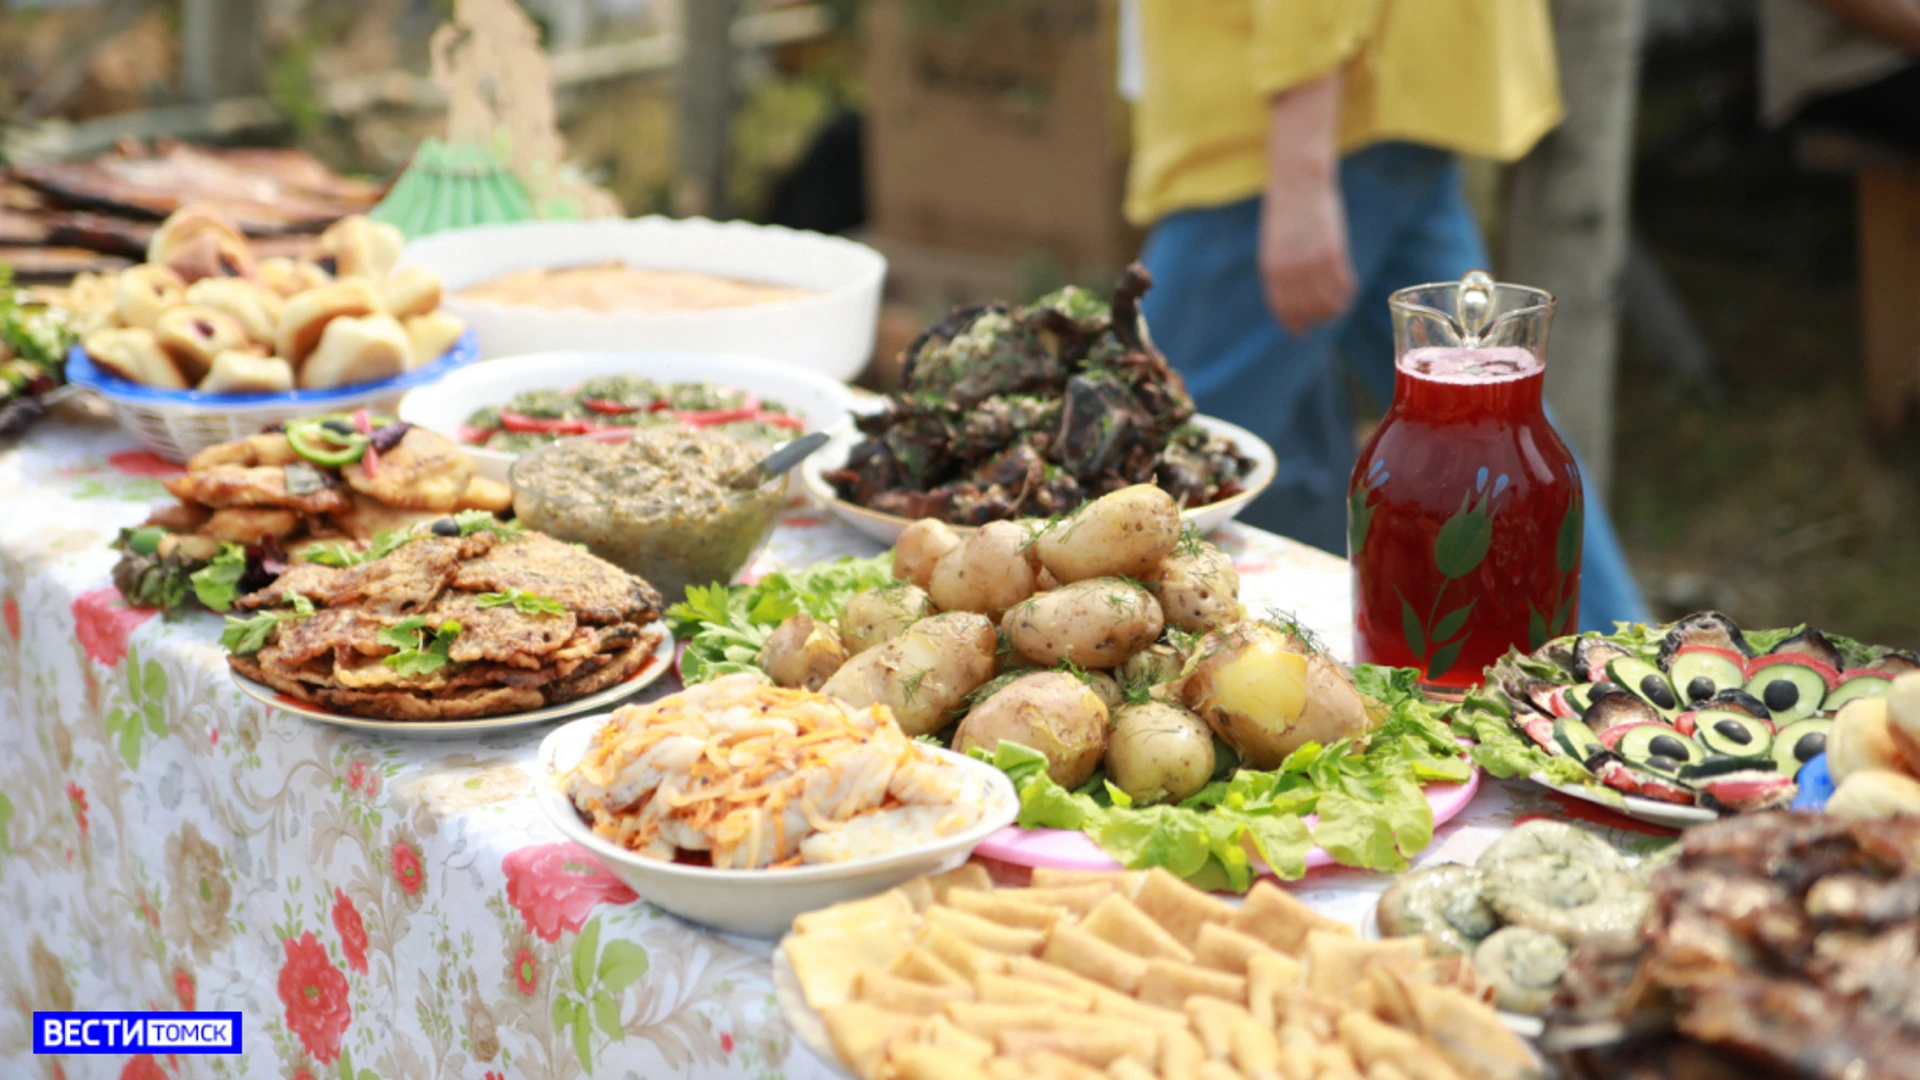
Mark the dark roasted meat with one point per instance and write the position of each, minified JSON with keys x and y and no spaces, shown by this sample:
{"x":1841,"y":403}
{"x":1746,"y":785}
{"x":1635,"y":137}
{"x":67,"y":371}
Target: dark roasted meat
{"x":1030,"y":411}
{"x":1782,"y":945}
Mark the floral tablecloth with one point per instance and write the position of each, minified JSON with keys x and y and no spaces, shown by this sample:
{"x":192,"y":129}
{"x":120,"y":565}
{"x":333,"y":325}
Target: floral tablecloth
{"x":376,"y":908}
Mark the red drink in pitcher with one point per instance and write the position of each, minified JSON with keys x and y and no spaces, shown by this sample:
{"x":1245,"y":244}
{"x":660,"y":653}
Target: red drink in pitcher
{"x":1465,"y":511}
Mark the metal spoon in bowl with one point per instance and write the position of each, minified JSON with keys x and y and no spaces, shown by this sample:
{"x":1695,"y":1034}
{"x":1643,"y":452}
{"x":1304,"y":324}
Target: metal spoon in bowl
{"x":778,"y":462}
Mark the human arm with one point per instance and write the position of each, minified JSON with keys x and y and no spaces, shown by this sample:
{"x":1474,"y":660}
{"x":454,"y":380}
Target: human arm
{"x":1896,"y":22}
{"x":1297,"y":52}
{"x":1304,"y":263}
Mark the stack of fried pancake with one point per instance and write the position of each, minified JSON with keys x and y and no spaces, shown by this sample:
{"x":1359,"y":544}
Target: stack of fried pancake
{"x":504,"y":659}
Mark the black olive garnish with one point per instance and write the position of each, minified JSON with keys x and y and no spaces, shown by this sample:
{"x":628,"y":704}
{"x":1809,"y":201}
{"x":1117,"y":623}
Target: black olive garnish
{"x":1661,"y":763}
{"x":1667,"y":746}
{"x":337,"y":426}
{"x":1700,"y":689}
{"x":446,"y":527}
{"x":1810,"y":746}
{"x":1734,"y":732}
{"x":1780,"y":695}
{"x":1658,"y":691}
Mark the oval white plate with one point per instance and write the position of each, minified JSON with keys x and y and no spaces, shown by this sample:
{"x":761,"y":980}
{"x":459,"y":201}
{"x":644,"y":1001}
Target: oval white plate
{"x":1653,"y":811}
{"x":830,"y":331}
{"x":445,"y":405}
{"x":759,"y":903}
{"x":886,"y":527}
{"x":657,"y":665}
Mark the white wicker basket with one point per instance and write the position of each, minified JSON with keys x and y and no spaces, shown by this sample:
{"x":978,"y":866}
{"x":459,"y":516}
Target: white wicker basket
{"x":177,"y":424}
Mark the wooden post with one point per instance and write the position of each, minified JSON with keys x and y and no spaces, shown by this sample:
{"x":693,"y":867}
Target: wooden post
{"x":1889,"y":215}
{"x":219,"y":48}
{"x":1566,"y":226}
{"x":704,"y":107}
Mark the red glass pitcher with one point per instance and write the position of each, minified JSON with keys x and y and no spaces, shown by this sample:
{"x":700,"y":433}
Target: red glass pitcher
{"x":1465,"y":513}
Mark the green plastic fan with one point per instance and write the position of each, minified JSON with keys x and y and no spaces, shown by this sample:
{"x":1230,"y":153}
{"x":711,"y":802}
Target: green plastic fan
{"x":453,"y":186}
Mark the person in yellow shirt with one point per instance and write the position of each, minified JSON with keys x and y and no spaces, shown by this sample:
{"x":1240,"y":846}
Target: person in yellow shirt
{"x":1294,"y":161}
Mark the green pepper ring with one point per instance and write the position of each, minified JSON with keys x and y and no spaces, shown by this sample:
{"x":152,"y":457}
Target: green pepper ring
{"x":312,"y":440}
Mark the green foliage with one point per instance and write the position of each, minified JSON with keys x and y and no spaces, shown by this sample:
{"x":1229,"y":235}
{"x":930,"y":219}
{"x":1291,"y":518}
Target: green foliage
{"x":1373,"y":812}
{"x":525,"y":603}
{"x":217,"y":584}
{"x":726,"y":626}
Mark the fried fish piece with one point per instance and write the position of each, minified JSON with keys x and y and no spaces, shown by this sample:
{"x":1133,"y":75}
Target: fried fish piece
{"x":222,"y":486}
{"x":501,"y":634}
{"x":403,"y":582}
{"x":250,"y":525}
{"x":328,"y":633}
{"x":366,"y":516}
{"x":425,"y":471}
{"x":267,"y":448}
{"x":451,"y":705}
{"x":595,"y":590}
{"x":618,"y":669}
{"x":484,"y":494}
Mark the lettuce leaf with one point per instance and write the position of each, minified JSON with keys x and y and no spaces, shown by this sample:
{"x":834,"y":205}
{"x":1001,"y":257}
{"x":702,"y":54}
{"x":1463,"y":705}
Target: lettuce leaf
{"x":724,"y":627}
{"x":217,"y":584}
{"x":1372,"y":811}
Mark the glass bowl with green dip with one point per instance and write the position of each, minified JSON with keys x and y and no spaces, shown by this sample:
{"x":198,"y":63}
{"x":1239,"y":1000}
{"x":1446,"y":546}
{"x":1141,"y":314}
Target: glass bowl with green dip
{"x":654,"y":502}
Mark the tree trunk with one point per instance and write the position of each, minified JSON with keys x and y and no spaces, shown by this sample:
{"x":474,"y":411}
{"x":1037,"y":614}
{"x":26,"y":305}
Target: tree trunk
{"x":220,"y":48}
{"x":1567,"y":218}
{"x":704,"y":101}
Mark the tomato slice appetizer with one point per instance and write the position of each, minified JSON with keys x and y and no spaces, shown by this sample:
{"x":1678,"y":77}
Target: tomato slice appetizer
{"x":520,"y":422}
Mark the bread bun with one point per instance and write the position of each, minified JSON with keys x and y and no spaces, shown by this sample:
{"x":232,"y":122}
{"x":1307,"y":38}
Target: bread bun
{"x":307,"y":315}
{"x":210,"y":255}
{"x":410,"y":291}
{"x":193,"y":336}
{"x":141,"y":293}
{"x":134,"y":354}
{"x":357,"y":350}
{"x":187,"y":224}
{"x":358,"y":247}
{"x":290,"y":276}
{"x":433,"y":334}
{"x":1861,"y":740}
{"x":236,"y":372}
{"x":1877,"y":793}
{"x":256,"y":308}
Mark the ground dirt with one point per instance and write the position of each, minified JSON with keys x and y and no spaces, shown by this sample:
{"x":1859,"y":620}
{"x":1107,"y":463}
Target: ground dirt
{"x":1771,"y":504}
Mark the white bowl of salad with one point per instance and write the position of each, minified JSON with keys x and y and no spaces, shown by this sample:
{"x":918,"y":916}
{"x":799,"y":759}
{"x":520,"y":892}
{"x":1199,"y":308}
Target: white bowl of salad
{"x":503,"y":408}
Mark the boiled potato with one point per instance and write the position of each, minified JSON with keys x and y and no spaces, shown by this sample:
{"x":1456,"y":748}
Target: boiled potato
{"x":1198,"y":588}
{"x":1107,"y":689}
{"x":988,"y":573}
{"x":802,"y":653}
{"x":1153,"y":665}
{"x":1049,"y":711}
{"x":925,"y":674}
{"x":1095,"y":623}
{"x":1126,"y":533}
{"x":1266,"y":693}
{"x":1159,"y":753}
{"x":880,"y":615}
{"x":919,"y":547}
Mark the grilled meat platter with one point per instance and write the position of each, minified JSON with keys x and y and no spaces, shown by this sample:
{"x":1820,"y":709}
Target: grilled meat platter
{"x":1008,"y":412}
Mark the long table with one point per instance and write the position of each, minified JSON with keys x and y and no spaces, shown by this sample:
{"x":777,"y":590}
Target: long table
{"x":376,"y":907}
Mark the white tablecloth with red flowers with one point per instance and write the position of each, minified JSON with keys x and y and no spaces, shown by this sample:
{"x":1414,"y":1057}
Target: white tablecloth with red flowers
{"x":376,"y":908}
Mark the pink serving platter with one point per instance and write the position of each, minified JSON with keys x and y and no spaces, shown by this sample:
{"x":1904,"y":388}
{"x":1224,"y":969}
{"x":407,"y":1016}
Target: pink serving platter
{"x":1065,"y":849}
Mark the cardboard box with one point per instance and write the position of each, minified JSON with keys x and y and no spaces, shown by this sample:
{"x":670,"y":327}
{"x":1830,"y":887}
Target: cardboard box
{"x":997,"y":130}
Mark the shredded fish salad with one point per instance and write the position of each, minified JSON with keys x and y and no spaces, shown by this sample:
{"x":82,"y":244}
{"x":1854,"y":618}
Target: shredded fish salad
{"x":744,"y":776}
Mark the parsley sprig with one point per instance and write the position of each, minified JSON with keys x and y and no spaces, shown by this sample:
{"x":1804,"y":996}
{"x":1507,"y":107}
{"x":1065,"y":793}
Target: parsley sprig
{"x":217,"y":584}
{"x":525,"y":603}
{"x":244,"y":637}
{"x":388,"y":541}
{"x":422,"y":649}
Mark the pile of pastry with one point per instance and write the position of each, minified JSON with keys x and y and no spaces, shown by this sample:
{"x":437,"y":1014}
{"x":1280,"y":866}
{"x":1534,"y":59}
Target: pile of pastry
{"x":1131,"y":976}
{"x":203,"y":314}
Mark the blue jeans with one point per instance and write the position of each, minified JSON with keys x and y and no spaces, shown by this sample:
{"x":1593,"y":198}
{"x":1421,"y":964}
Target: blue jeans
{"x":1408,"y":223}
